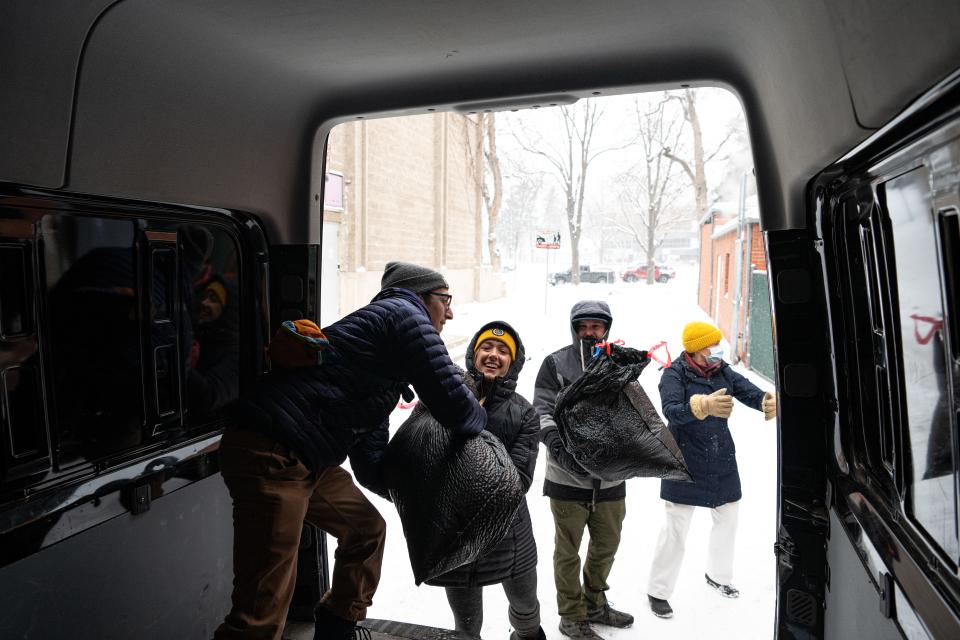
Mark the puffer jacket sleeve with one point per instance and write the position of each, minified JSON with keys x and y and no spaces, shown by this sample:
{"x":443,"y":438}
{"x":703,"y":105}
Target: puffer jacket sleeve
{"x":434,"y":376}
{"x":525,"y":447}
{"x":366,"y":460}
{"x":673,"y":398}
{"x":743,"y":390}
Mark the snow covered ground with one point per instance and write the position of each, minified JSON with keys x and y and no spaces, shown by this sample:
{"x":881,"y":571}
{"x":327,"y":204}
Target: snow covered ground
{"x":642,"y":316}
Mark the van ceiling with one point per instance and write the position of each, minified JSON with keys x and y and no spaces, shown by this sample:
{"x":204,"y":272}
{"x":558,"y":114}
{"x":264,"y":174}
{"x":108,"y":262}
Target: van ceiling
{"x":218,"y":102}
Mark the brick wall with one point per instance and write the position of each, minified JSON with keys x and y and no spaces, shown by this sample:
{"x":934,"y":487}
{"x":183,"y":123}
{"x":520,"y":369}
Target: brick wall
{"x":411,"y":192}
{"x":717,"y":275}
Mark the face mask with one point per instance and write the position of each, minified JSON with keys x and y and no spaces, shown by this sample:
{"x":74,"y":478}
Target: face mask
{"x":716,"y":355}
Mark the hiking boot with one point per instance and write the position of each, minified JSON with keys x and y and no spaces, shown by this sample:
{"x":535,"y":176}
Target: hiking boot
{"x":328,"y":626}
{"x":661,"y":608}
{"x":609,"y":616}
{"x":540,"y":635}
{"x":578,"y":629}
{"x":726,"y":590}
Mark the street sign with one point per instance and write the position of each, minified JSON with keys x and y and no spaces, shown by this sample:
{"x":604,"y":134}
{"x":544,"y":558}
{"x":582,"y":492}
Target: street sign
{"x":548,"y":239}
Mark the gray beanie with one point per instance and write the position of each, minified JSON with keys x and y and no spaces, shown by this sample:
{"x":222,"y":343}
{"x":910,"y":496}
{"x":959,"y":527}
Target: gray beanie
{"x":407,"y":275}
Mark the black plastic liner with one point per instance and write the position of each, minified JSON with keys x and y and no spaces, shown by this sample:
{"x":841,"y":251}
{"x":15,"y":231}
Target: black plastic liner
{"x":456,"y":498}
{"x":609,"y":425}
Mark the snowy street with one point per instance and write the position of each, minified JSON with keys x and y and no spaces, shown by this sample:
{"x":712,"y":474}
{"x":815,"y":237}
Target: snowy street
{"x":643,"y":315}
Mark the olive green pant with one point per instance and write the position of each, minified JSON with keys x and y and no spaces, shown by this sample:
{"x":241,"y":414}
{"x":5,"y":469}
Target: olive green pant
{"x":604,"y":525}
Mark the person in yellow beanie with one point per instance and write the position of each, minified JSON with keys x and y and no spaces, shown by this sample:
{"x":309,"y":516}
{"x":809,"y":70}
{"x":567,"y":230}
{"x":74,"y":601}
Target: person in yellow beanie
{"x":494,"y":359}
{"x":696,"y":394}
{"x":212,"y":380}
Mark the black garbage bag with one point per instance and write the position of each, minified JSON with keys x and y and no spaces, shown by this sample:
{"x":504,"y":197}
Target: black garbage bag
{"x":456,"y":497}
{"x":609,"y":426}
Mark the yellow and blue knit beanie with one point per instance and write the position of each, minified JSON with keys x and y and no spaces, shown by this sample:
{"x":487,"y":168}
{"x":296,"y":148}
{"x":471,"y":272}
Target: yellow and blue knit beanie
{"x":500,"y":335}
{"x":700,"y":335}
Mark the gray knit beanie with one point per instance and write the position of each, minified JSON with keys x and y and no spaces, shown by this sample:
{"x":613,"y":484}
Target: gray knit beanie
{"x":407,"y":275}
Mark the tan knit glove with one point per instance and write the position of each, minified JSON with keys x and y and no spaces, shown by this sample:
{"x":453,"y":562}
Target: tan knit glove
{"x":717,"y":404}
{"x":769,"y":406}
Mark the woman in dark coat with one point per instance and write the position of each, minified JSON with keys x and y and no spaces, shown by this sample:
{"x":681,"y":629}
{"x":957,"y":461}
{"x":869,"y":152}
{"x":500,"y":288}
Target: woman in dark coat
{"x":494,"y":359}
{"x":696,"y":393}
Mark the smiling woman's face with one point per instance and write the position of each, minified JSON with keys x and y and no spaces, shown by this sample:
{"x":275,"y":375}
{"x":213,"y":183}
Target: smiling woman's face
{"x":492,"y":359}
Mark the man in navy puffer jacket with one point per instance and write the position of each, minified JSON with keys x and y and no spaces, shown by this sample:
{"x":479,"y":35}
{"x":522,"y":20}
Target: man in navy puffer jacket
{"x":281,"y":462}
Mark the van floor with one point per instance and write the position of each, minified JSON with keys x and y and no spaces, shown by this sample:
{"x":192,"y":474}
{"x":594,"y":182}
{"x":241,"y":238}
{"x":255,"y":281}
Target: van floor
{"x":382,"y":630}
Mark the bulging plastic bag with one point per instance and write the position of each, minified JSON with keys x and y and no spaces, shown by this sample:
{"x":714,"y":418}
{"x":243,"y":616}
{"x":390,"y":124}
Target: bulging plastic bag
{"x":610,"y":427}
{"x":456,"y":497}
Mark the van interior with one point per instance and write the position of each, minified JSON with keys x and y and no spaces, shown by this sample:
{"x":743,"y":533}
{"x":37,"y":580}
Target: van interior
{"x":199,"y":128}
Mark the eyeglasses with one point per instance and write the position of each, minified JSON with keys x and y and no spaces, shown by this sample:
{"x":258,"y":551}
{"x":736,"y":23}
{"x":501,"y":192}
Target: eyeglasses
{"x":446,"y":298}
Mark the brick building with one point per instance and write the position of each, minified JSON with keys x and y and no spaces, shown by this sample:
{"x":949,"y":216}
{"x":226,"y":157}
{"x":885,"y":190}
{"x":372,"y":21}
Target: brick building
{"x":402,"y":189}
{"x":719,"y":230}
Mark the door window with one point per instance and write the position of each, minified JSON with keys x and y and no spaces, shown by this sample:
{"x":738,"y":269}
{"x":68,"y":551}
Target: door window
{"x":931,"y":499}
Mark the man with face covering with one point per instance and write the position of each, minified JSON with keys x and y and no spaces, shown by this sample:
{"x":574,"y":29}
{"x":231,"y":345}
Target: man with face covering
{"x":577,"y":499}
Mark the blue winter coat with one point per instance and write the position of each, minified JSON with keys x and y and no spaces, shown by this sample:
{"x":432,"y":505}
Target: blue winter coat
{"x":323,"y":412}
{"x":707,"y":445}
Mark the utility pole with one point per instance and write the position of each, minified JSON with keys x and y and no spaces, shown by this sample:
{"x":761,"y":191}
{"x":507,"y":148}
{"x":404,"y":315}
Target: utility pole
{"x":738,"y":271}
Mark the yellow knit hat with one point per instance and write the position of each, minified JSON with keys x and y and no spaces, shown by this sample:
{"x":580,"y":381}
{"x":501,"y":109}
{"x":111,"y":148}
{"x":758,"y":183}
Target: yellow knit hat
{"x":498,"y":334}
{"x":700,"y":335}
{"x":219,"y":291}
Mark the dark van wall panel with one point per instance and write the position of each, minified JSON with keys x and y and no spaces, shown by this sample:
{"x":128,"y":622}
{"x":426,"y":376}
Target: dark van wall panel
{"x":39,"y":51}
{"x":166,"y":573}
{"x":171,"y":110}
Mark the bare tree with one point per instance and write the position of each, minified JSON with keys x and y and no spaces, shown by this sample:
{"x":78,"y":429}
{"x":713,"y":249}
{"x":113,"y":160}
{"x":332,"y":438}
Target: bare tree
{"x":696,"y":168}
{"x":568,"y":160}
{"x":516,"y":221}
{"x":488,"y":177}
{"x":648,"y":191}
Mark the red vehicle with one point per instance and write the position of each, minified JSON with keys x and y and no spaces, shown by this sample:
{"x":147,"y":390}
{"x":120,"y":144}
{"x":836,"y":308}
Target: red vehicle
{"x":661,"y":273}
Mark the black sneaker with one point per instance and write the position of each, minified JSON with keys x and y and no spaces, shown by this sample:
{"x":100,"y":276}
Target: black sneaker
{"x":660,"y":608}
{"x":726,"y":590}
{"x":609,"y":616}
{"x":328,"y":626}
{"x":578,"y":629}
{"x":540,"y":635}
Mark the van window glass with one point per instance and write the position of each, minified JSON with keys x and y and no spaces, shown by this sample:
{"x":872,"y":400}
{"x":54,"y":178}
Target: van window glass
{"x":163,"y":267}
{"x":213,"y":376}
{"x":94,"y":335}
{"x":144,"y":330}
{"x":14,"y":312}
{"x":23,"y":421}
{"x":931,"y":500}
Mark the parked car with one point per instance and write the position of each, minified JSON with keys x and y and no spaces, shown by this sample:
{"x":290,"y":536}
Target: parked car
{"x":661,"y":273}
{"x":587,"y":274}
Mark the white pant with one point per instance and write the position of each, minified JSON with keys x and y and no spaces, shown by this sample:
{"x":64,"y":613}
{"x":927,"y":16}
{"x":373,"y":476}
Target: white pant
{"x":670,"y":547}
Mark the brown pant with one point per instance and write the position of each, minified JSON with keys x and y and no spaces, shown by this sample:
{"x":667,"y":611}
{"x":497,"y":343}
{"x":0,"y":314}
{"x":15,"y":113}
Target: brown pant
{"x":273,"y":493}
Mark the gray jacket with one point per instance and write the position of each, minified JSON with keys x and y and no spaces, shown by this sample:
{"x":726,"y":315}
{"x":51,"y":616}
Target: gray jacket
{"x":565,"y":479}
